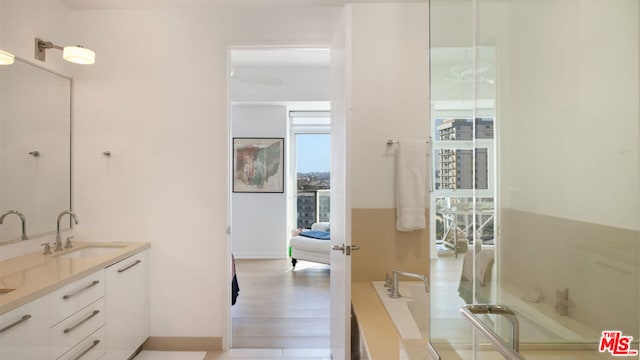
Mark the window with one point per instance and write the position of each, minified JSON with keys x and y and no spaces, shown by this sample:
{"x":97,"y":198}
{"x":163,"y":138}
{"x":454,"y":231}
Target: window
{"x":311,"y":167}
{"x":313,"y":177}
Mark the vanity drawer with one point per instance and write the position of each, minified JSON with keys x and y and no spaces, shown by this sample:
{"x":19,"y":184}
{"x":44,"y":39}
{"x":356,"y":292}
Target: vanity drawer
{"x":75,"y":328}
{"x":91,"y":348}
{"x":75,"y":296}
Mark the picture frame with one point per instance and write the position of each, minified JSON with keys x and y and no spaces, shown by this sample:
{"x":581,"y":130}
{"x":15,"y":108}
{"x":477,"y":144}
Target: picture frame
{"x":258,"y":165}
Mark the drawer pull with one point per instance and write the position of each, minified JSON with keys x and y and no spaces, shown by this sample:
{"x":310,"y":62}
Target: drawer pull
{"x":94,"y":283}
{"x":94,"y":313}
{"x":129,"y":266}
{"x":23,"y":319}
{"x":94,"y":344}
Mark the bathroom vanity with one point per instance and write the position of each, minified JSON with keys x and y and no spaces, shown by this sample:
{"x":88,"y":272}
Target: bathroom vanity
{"x":87,"y":302}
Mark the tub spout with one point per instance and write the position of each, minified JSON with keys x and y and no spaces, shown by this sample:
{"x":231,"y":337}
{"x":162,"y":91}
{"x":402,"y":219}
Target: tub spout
{"x":396,"y":276}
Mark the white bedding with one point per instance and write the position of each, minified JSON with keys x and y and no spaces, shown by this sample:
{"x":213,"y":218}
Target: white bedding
{"x":309,"y":249}
{"x":309,"y":244}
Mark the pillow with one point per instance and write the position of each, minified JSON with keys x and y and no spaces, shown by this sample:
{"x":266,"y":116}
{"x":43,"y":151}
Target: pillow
{"x":320,"y":226}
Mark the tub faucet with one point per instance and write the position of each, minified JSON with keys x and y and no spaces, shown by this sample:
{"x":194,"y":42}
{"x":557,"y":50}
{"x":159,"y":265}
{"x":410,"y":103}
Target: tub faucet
{"x":22,"y":218}
{"x":58,"y":237}
{"x":396,"y":276}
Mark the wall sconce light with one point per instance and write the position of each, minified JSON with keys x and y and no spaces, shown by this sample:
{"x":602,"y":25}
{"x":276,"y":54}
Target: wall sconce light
{"x":6,"y":58}
{"x":74,"y":54}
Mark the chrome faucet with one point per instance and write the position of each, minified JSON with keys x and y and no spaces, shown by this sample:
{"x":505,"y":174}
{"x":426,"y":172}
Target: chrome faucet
{"x":22,"y":218}
{"x":58,"y":237}
{"x":396,"y":276}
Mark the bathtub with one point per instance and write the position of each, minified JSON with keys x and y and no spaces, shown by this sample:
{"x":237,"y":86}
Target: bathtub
{"x":541,"y":335}
{"x":409,"y":313}
{"x":411,"y":317}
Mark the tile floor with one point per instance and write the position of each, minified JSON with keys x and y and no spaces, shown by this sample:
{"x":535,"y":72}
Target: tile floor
{"x":288,"y":354}
{"x":239,"y":354}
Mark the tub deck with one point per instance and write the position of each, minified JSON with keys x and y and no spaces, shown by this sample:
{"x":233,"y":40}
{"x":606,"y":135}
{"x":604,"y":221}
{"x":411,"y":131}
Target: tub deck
{"x":378,"y":331}
{"x":382,"y":340}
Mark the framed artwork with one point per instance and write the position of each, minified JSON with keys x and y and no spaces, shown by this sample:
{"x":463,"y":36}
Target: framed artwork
{"x":258,"y":165}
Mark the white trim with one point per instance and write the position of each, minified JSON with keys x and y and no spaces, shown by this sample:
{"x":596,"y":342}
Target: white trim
{"x":293,"y":131}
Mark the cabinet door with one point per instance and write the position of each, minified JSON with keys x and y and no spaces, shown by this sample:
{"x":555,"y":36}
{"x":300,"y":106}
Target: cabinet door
{"x":24,"y":332}
{"x":127,"y":285}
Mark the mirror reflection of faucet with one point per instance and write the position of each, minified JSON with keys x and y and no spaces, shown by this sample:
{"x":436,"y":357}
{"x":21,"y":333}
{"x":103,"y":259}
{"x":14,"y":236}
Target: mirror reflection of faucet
{"x":58,"y":237}
{"x":22,"y":218}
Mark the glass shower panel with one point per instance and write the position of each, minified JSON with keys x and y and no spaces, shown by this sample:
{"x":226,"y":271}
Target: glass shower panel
{"x":567,"y":213}
{"x":452,"y":133}
{"x":549,"y":225}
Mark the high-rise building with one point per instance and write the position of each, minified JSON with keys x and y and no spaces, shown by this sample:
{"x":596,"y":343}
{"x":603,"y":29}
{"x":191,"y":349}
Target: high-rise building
{"x":324,"y":205}
{"x":456,"y":169}
{"x":306,"y":209}
{"x":313,"y":206}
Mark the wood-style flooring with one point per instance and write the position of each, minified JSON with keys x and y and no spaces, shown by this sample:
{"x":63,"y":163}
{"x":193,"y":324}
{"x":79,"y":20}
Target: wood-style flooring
{"x":281,"y":308}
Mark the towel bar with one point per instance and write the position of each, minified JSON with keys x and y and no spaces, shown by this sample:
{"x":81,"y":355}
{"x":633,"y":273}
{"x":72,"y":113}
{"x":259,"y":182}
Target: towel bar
{"x":391,"y":142}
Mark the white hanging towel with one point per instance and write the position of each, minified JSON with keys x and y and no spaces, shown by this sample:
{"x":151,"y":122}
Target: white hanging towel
{"x":411,"y":177}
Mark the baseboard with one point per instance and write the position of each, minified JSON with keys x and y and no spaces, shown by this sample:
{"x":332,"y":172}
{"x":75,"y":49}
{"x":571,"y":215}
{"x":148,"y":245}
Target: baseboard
{"x":260,"y":256}
{"x":175,"y":343}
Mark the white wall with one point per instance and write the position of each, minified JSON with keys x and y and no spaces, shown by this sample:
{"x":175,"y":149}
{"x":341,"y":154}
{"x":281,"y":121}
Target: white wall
{"x":259,"y":220}
{"x":157,"y":98}
{"x":392,"y":42}
{"x":570,"y":108}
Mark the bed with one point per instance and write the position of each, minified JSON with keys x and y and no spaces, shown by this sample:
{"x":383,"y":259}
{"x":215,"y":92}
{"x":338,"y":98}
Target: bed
{"x":312,"y":245}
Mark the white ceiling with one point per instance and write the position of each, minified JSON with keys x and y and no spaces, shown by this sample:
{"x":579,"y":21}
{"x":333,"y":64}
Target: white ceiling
{"x":281,"y":57}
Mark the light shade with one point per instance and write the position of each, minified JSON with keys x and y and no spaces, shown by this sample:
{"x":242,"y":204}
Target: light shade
{"x":79,"y":55}
{"x":6,"y":58}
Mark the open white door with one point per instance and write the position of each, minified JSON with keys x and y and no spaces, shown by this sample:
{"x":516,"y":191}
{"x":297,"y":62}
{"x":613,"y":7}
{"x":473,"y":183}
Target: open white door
{"x":340,"y":201}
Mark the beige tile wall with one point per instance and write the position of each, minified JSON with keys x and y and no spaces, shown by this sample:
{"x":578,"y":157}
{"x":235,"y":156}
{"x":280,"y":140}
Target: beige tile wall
{"x":382,"y":248}
{"x":598,"y":263}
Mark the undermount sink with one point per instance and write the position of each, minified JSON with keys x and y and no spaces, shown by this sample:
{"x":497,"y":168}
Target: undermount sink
{"x":89,"y":251}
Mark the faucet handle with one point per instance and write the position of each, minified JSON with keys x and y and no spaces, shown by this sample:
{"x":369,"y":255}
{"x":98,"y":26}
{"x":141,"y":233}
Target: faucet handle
{"x":67,"y":244}
{"x":387,"y":280}
{"x":58,"y":244}
{"x":47,"y":249}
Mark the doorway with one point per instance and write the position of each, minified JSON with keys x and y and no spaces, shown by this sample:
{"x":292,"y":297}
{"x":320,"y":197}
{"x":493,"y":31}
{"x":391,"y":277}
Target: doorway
{"x":276,"y":94}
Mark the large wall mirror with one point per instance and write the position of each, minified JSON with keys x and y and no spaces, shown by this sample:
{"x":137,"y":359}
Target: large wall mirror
{"x":35,"y":149}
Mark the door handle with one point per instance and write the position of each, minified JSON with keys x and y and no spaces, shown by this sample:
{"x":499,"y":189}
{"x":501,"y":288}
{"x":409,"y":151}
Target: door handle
{"x":345,"y":249}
